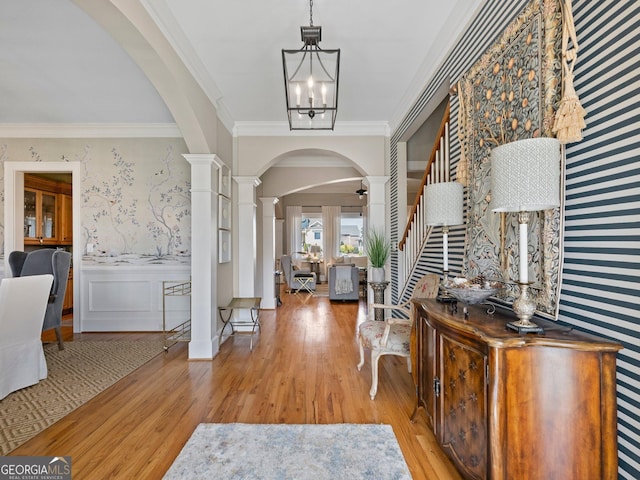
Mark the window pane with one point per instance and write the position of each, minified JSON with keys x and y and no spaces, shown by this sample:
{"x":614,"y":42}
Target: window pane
{"x":351,"y":226}
{"x":312,"y":234}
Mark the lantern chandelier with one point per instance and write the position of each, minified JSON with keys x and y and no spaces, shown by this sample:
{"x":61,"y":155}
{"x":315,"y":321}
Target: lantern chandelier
{"x":311,"y":81}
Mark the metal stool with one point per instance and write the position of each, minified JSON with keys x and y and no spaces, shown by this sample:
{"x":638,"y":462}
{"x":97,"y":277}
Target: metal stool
{"x":304,"y":279}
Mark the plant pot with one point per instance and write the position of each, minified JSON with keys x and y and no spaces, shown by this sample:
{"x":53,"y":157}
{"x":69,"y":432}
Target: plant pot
{"x":377,"y":274}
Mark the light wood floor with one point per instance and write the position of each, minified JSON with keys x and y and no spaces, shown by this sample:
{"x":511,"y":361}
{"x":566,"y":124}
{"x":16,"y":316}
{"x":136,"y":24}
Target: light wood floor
{"x":302,"y":370}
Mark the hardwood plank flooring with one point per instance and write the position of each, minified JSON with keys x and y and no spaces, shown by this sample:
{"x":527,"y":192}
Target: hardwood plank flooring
{"x":302,"y":370}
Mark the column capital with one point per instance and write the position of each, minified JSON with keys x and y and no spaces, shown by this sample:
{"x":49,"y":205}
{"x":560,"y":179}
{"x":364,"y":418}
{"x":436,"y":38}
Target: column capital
{"x":371,"y":180}
{"x":247,"y":180}
{"x":268,"y":206}
{"x":203,"y":159}
{"x":269,"y":200}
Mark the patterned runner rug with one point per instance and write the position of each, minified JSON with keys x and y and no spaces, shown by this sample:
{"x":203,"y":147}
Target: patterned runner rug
{"x":279,"y":452}
{"x":76,"y":374}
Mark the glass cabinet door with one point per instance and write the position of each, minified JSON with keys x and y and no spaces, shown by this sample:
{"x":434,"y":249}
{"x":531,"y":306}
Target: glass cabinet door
{"x":30,"y":214}
{"x":48,"y":227}
{"x":40,"y":217}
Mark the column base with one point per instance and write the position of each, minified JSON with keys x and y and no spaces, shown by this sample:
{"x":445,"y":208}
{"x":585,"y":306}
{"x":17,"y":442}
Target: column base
{"x":203,"y":349}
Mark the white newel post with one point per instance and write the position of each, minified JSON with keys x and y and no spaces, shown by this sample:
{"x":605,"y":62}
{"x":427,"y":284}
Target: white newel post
{"x":204,"y":342}
{"x":268,"y":251}
{"x":376,"y":217}
{"x":247,"y":251}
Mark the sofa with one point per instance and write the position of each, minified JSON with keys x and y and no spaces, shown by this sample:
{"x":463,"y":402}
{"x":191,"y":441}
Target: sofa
{"x":360,"y":262}
{"x":344,"y":282}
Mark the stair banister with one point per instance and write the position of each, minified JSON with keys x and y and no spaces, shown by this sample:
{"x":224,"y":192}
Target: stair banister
{"x":416,"y":232}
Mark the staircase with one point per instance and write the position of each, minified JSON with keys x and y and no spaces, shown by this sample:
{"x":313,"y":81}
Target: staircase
{"x":417,"y":233}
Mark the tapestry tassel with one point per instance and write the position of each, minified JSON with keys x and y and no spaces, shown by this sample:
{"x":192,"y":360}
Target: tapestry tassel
{"x":462,"y":170}
{"x":569,"y":121}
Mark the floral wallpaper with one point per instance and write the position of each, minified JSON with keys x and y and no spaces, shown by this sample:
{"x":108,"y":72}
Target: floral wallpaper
{"x":512,"y":93}
{"x":136,"y":205}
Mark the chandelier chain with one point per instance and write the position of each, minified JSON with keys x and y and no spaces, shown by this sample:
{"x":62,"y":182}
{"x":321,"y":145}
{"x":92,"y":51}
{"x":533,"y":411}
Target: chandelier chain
{"x":311,"y":13}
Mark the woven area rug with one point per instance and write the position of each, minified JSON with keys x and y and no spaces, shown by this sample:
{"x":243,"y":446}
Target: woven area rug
{"x":300,"y":452}
{"x":76,"y":374}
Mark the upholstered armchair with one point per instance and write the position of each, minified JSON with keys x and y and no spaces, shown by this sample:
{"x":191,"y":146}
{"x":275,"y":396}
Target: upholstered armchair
{"x":344,"y":282}
{"x":23,"y":302}
{"x":394,"y":336}
{"x":46,"y":261}
{"x":297,"y":279}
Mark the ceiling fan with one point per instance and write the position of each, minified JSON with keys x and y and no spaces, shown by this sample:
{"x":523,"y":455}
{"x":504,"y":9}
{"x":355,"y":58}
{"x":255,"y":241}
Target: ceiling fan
{"x":361,"y":191}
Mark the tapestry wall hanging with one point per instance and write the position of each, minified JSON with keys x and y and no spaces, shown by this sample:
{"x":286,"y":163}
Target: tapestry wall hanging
{"x":512,"y":93}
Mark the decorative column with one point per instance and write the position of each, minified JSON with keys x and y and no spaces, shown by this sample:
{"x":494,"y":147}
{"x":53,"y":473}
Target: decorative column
{"x":377,"y":212}
{"x":378,"y":297}
{"x":268,"y":252}
{"x":246,"y":252}
{"x":204,"y":254}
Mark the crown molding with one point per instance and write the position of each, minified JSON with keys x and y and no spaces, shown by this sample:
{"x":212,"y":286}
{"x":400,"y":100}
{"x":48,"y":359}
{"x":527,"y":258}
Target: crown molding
{"x":171,"y":130}
{"x":281,"y":129}
{"x":89,"y":130}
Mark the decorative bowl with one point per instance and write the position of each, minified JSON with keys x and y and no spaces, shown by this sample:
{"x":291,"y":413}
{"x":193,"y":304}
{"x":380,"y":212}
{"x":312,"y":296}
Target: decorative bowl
{"x":471,"y":293}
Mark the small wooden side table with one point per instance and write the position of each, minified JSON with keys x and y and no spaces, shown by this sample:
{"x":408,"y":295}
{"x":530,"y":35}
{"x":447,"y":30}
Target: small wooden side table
{"x":314,"y":266}
{"x":378,"y":297}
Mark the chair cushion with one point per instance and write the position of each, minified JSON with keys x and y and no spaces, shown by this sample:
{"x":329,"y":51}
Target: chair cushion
{"x":371,"y":332}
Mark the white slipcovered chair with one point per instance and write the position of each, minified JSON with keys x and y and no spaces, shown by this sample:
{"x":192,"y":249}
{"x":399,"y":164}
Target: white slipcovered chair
{"x":394,"y":336}
{"x":297,"y":279}
{"x":23,"y":301}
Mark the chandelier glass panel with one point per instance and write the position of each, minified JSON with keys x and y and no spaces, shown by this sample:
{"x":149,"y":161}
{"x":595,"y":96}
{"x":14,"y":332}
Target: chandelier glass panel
{"x":311,"y":81}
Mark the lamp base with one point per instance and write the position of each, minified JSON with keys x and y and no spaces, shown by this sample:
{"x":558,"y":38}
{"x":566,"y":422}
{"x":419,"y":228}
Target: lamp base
{"x":524,"y":307}
{"x":522,"y":327}
{"x":443,"y":295}
{"x":446,"y":297}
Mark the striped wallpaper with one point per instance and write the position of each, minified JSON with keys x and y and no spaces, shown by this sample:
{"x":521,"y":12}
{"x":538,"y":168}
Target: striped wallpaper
{"x":601,"y":274}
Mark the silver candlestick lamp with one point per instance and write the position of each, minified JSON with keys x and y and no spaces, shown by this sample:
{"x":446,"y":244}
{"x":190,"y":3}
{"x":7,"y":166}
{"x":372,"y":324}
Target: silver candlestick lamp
{"x":525,"y":177}
{"x":444,"y":207}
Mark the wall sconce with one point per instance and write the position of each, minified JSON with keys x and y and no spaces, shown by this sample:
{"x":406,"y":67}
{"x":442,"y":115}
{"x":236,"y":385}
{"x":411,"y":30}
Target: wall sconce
{"x":525,"y":177}
{"x":444,"y":207}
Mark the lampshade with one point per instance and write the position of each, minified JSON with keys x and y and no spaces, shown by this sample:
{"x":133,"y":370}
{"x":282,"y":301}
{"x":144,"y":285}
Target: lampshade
{"x":444,"y":203}
{"x":311,"y":81}
{"x":525,"y":175}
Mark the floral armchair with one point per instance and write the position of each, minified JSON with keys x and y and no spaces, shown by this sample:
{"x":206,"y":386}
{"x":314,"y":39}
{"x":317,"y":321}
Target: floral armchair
{"x":394,"y":336}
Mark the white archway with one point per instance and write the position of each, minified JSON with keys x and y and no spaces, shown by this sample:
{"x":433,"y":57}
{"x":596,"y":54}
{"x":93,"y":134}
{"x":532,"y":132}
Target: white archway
{"x":367,"y":154}
{"x":344,"y":159}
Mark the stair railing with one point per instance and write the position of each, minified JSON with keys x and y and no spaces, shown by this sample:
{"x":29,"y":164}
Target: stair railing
{"x":417,"y":232}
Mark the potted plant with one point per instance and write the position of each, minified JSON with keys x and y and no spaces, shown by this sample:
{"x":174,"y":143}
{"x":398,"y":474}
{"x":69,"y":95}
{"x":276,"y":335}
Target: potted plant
{"x":378,"y":251}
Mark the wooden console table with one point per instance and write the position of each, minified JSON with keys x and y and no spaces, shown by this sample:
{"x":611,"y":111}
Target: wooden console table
{"x":504,"y":405}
